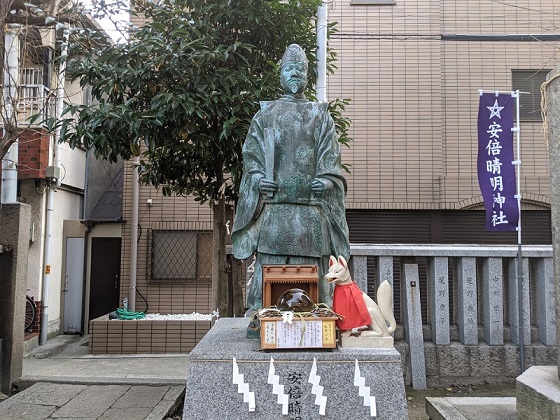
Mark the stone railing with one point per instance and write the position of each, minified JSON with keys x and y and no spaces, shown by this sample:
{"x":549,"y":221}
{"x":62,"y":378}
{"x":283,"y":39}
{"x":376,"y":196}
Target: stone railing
{"x":469,"y":297}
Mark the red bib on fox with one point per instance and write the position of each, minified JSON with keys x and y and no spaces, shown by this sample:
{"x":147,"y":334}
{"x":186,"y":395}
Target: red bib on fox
{"x":348,"y":302}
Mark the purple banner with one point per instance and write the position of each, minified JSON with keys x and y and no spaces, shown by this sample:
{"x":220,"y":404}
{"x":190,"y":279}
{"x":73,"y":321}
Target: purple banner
{"x":496,"y":173}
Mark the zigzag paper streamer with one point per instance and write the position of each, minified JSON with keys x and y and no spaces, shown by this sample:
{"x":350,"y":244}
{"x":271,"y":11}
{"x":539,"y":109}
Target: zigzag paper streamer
{"x":278,"y":389}
{"x":317,"y":389}
{"x":364,"y":391}
{"x":243,"y":387}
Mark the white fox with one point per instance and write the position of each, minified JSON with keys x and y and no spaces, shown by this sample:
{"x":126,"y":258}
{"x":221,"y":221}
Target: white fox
{"x":354,"y":305}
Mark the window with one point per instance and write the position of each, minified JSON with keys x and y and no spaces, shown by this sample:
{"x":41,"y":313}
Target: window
{"x":529,"y":81}
{"x":179,"y":255}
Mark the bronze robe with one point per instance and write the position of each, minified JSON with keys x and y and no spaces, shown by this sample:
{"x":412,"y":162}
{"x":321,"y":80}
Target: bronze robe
{"x":293,"y":222}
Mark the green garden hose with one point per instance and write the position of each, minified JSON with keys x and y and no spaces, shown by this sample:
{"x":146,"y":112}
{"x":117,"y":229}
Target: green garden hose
{"x":126,"y":314}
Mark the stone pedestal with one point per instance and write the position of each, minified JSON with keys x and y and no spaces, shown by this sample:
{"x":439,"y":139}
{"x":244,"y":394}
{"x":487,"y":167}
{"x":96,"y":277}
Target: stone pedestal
{"x":538,"y":394}
{"x":15,"y":220}
{"x":211,"y":393}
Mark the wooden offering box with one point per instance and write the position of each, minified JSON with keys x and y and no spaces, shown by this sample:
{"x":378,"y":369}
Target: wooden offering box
{"x":312,"y":332}
{"x":279,"y":278}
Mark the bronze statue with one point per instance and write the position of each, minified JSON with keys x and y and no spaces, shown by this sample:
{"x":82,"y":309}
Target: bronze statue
{"x":291,"y":204}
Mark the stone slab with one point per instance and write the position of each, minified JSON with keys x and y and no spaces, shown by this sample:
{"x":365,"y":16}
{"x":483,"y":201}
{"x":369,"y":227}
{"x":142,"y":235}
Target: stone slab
{"x":438,"y":279}
{"x":492,"y":301}
{"x":141,"y":396}
{"x":467,"y":300}
{"x":352,"y":342}
{"x":471,"y":408}
{"x":514,"y":309}
{"x":538,"y":393}
{"x":128,"y":413}
{"x":25,"y":411}
{"x":413,"y":326}
{"x":546,"y":297}
{"x":47,"y":394}
{"x":211,"y":374}
{"x":94,"y":401}
{"x":69,"y":401}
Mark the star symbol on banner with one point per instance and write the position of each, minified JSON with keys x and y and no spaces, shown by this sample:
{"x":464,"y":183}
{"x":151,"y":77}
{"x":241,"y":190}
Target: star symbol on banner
{"x":495,"y":110}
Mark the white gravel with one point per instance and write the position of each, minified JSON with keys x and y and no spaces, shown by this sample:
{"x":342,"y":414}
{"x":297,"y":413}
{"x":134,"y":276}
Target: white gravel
{"x":195,"y":316}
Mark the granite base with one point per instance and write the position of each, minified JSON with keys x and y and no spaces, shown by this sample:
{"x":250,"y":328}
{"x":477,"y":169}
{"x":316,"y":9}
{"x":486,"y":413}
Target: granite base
{"x":211,"y":394}
{"x":538,"y":394}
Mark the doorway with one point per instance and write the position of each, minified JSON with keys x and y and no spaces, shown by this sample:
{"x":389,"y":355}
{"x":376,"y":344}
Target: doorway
{"x":104,"y":284}
{"x":73,"y":286}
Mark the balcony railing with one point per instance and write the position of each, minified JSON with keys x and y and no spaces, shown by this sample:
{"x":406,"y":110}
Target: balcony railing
{"x":34,"y":97}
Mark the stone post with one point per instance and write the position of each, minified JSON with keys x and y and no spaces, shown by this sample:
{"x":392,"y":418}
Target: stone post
{"x":538,"y":388}
{"x":15,"y":220}
{"x":553,"y":125}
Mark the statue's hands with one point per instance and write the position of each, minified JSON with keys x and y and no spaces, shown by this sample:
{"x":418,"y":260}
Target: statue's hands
{"x":267,"y":186}
{"x":320,"y":185}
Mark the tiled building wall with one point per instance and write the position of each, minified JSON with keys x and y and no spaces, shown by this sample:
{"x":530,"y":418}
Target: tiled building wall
{"x":415,"y":96}
{"x":389,"y":66}
{"x":172,"y":213}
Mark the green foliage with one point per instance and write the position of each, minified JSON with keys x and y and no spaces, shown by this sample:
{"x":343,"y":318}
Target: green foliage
{"x":182,"y":91}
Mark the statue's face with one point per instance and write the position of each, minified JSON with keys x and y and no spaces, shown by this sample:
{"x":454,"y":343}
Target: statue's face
{"x":293,"y":77}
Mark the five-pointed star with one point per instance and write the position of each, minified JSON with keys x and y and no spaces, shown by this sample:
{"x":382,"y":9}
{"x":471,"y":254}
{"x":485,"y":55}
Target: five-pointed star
{"x":495,"y":110}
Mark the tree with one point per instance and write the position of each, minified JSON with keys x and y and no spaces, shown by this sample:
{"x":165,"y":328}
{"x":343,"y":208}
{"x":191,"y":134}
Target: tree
{"x":181,"y":94}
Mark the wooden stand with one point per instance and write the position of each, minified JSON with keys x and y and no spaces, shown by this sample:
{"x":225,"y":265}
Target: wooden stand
{"x":279,"y":278}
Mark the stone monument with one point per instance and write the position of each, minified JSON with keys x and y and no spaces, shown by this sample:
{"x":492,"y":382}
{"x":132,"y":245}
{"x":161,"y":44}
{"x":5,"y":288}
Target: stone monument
{"x":538,"y":388}
{"x":291,"y":212}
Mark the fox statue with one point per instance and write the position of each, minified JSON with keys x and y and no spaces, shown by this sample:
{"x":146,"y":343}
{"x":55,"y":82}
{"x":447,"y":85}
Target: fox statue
{"x":357,"y":308}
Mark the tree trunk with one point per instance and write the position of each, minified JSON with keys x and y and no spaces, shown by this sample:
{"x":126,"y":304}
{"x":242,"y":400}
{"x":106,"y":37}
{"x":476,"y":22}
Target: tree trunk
{"x":236,"y":277}
{"x":8,"y":139}
{"x":220,"y":268}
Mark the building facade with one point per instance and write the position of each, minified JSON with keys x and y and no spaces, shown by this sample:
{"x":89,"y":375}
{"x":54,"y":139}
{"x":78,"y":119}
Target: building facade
{"x":55,"y":180}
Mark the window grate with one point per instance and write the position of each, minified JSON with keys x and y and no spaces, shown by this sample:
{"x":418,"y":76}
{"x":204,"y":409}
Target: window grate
{"x":529,"y":81}
{"x":179,"y":255}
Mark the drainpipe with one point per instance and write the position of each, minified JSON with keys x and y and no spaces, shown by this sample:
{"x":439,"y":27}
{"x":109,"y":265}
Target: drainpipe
{"x":10,"y":97}
{"x":89,"y":225}
{"x":322,"y":22}
{"x":54,"y":183}
{"x":134,"y":235}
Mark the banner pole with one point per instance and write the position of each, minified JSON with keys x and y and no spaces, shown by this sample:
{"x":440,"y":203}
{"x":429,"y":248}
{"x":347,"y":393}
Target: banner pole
{"x":517,"y":162}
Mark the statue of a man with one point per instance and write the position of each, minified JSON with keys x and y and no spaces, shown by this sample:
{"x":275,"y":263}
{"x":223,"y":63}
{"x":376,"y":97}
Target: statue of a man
{"x":291,"y":202}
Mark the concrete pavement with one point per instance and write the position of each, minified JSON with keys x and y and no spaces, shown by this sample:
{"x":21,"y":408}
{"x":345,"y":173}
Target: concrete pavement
{"x":62,"y":380}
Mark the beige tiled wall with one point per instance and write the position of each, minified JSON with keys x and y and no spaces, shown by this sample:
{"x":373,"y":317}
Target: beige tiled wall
{"x":174,"y":213}
{"x":144,"y":336}
{"x":415,"y":97}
